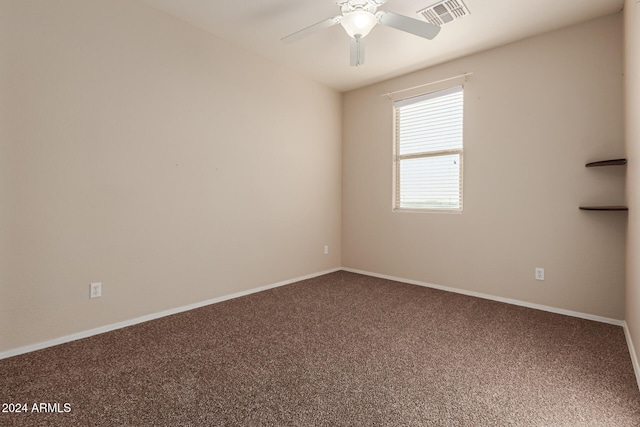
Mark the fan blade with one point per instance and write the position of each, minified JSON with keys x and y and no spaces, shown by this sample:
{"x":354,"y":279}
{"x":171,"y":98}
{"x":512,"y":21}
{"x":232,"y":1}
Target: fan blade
{"x":409,"y":25}
{"x":330,"y":22}
{"x":357,"y":51}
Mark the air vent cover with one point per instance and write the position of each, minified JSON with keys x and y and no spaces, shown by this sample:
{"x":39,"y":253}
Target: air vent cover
{"x":445,"y":11}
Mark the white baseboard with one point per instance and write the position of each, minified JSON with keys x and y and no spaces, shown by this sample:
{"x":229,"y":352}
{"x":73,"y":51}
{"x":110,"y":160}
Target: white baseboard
{"x":153,"y":316}
{"x":632,"y":352}
{"x":493,"y":298}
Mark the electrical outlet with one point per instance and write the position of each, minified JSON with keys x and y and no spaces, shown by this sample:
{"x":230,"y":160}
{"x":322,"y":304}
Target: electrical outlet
{"x":95,"y":290}
{"x":539,"y":273}
{"x":326,"y":249}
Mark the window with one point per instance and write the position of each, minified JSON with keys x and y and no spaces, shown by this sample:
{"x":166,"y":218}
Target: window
{"x":428,"y":151}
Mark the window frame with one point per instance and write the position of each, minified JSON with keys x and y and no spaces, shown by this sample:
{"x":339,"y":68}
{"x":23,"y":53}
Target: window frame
{"x":397,"y":157}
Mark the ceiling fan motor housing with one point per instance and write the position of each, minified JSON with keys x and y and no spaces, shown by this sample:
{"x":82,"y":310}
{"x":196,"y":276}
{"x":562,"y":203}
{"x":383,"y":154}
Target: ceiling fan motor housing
{"x":361,"y":5}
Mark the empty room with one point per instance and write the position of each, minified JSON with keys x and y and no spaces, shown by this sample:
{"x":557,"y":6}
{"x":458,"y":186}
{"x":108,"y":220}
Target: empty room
{"x":319,"y":213}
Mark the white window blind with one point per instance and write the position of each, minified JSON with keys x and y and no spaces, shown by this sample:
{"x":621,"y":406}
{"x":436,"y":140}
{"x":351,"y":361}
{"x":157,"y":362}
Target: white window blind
{"x":428,"y":151}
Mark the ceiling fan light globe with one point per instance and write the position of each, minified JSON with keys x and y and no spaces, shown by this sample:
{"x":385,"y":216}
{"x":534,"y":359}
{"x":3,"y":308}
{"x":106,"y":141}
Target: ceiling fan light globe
{"x":358,"y":23}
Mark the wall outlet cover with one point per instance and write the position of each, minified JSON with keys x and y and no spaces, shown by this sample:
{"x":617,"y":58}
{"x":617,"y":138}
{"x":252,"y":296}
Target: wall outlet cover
{"x":95,"y":290}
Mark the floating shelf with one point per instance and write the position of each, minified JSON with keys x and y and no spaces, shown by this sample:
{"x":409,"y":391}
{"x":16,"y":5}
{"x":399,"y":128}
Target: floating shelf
{"x":604,"y":208}
{"x":614,"y":162}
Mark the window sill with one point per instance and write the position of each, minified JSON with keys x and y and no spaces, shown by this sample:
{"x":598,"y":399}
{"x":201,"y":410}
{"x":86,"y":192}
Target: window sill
{"x":436,"y":211}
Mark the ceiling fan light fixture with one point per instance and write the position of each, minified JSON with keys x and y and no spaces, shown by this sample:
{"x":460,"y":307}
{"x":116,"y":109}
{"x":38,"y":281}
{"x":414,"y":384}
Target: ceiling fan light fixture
{"x":358,"y":23}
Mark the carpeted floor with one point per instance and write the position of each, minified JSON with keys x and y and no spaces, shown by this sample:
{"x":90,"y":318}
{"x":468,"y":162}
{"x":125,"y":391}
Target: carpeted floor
{"x":341,"y":349}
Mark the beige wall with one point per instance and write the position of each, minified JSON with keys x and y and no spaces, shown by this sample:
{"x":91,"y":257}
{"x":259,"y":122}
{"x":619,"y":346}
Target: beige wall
{"x":535,"y":112}
{"x":140,"y":152}
{"x":632,"y":105}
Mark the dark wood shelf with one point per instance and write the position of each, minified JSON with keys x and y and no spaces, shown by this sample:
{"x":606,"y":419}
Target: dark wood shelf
{"x":604,"y":208}
{"x":611,"y":162}
{"x":614,"y":162}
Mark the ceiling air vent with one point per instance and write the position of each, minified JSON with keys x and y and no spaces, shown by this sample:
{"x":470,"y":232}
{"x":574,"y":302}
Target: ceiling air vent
{"x":445,"y":11}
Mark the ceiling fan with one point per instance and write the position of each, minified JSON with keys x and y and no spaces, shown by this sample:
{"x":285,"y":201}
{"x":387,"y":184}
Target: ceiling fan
{"x":358,"y":19}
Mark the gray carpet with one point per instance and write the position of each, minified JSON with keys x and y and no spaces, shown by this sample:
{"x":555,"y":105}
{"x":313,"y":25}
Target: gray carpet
{"x":341,"y":349}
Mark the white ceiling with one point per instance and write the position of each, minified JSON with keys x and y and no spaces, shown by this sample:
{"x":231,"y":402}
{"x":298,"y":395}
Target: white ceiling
{"x":258,"y":26}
